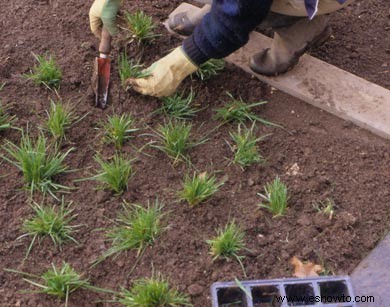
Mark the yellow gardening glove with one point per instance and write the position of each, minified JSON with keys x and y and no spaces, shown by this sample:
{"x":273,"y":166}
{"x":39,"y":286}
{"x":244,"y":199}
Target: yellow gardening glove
{"x":103,"y":13}
{"x":166,"y":75}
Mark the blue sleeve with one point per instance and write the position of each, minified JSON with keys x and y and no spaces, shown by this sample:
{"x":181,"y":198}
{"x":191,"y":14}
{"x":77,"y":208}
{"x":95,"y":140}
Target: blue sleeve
{"x":225,"y":28}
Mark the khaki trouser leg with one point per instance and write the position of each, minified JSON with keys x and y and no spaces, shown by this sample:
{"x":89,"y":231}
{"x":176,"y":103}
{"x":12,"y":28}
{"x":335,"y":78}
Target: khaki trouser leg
{"x":292,"y":41}
{"x":297,"y":7}
{"x":288,"y":45}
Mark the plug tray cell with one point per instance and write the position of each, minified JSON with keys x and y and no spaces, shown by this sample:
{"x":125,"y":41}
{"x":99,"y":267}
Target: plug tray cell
{"x":324,"y":291}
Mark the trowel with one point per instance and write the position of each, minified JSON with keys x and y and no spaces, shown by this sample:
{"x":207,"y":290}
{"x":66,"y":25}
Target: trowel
{"x":101,"y":75}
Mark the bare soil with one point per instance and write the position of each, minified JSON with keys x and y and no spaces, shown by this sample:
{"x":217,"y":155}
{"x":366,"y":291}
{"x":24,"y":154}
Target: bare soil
{"x":336,"y":160}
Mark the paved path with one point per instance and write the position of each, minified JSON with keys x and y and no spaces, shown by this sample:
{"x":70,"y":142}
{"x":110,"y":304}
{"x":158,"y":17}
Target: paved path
{"x":372,"y":275}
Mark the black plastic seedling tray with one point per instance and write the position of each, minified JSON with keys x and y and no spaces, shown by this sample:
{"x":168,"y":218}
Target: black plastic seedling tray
{"x":313,"y":291}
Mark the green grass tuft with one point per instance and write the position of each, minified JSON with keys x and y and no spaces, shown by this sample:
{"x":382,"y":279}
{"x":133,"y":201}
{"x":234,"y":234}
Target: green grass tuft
{"x":138,"y":227}
{"x":130,"y":69}
{"x":59,"y":119}
{"x":239,"y":111}
{"x":46,"y":72}
{"x":50,"y":222}
{"x":245,"y":147}
{"x":39,"y":163}
{"x":210,"y":69}
{"x":174,"y":138}
{"x":276,"y":197}
{"x":141,"y":27}
{"x":114,"y":174}
{"x":178,"y":106}
{"x":59,"y":282}
{"x":198,"y":188}
{"x":228,"y":242}
{"x":6,"y":120}
{"x":152,"y":292}
{"x":119,"y":129}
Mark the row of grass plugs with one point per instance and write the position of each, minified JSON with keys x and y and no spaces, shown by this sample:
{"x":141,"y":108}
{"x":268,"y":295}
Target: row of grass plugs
{"x":137,"y":228}
{"x":140,"y":28}
{"x":48,"y":73}
{"x":40,"y":160}
{"x":62,"y":281}
{"x":40,"y":163}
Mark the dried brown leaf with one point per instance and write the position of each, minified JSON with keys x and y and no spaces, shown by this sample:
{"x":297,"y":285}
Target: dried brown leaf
{"x":307,"y":269}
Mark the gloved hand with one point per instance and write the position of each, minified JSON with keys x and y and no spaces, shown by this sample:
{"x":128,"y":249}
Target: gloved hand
{"x":166,"y":75}
{"x":103,"y":13}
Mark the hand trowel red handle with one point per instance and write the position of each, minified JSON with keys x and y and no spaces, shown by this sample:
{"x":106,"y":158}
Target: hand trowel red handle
{"x":102,"y":69}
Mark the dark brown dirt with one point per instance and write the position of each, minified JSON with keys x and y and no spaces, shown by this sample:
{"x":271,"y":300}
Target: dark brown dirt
{"x":336,"y":159}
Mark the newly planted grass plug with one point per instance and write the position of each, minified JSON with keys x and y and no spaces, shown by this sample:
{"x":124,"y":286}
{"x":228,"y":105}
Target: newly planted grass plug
{"x":137,"y":227}
{"x":174,"y":138}
{"x":128,"y":68}
{"x":59,"y":119}
{"x":210,"y":69}
{"x":275,"y":197}
{"x":245,"y":147}
{"x":50,"y":221}
{"x":59,"y":282}
{"x":199,"y":188}
{"x":38,"y":162}
{"x":178,"y":106}
{"x":114,"y":174}
{"x":46,"y":72}
{"x":6,"y":120}
{"x":152,"y":292}
{"x":141,"y":26}
{"x":239,"y":111}
{"x":119,"y":129}
{"x":228,"y":243}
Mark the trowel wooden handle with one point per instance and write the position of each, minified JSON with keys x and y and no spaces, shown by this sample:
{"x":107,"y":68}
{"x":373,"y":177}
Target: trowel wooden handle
{"x":105,"y":42}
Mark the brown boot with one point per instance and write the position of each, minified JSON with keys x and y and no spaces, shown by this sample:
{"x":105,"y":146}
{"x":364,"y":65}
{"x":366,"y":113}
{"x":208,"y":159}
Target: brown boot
{"x":184,"y":23}
{"x":289,"y":44}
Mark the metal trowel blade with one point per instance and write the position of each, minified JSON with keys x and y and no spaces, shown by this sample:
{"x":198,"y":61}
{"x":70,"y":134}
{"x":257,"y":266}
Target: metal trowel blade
{"x":102,"y":68}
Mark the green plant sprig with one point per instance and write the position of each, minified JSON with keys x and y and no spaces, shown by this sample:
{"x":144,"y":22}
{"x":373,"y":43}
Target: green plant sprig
{"x":152,"y":292}
{"x":239,"y":111}
{"x":119,"y":129}
{"x":326,"y":207}
{"x":59,"y":282}
{"x":6,"y":120}
{"x":245,"y":147}
{"x":51,"y":222}
{"x":38,"y":162}
{"x":46,"y":72}
{"x":228,"y":243}
{"x":137,"y":228}
{"x":174,"y":139}
{"x":114,"y":174}
{"x":130,"y":69}
{"x":210,"y":69}
{"x":198,"y":188}
{"x":178,"y":106}
{"x":59,"y":119}
{"x":140,"y":26}
{"x":276,"y":197}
